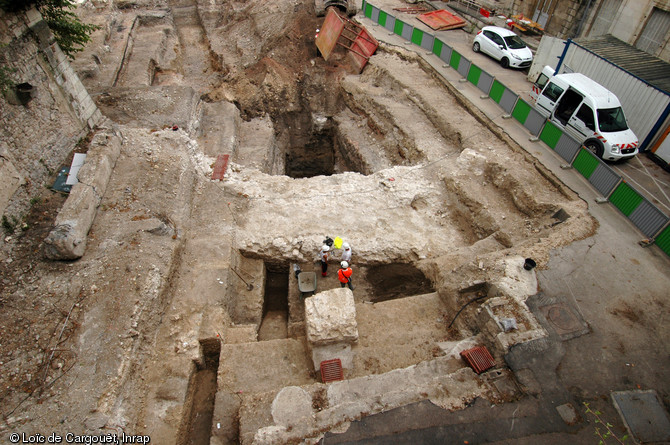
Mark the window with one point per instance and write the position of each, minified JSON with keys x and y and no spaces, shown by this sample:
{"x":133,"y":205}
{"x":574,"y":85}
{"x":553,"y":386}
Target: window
{"x":552,"y":91}
{"x":585,"y":114}
{"x":611,"y":119}
{"x":494,"y":37}
{"x":653,"y":37}
{"x":514,"y":42}
{"x":542,"y":80}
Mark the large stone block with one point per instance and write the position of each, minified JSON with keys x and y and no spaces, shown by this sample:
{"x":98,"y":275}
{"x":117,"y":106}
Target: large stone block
{"x":330,"y":352}
{"x":67,"y":240}
{"x":330,"y":317}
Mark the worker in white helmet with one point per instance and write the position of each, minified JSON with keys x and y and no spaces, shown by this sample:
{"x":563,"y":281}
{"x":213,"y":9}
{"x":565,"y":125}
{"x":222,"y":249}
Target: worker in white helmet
{"x":344,"y":275}
{"x":346,"y":252}
{"x":324,"y":255}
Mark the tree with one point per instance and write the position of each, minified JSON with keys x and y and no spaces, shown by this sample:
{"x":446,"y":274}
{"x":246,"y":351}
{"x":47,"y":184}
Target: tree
{"x":70,"y":33}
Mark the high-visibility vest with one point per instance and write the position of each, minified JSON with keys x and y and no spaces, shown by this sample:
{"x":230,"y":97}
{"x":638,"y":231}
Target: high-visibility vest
{"x":344,"y":274}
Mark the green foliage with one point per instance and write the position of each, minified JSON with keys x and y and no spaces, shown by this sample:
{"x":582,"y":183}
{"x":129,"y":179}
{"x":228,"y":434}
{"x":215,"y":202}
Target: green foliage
{"x":70,"y":33}
{"x":9,"y":226}
{"x":604,"y":429}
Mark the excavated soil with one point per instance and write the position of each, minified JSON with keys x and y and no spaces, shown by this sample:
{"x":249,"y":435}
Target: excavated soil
{"x":184,"y":276}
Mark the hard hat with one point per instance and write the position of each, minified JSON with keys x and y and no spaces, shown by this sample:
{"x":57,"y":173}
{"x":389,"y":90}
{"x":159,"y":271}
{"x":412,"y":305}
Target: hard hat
{"x":325,"y":248}
{"x":345,"y":246}
{"x":344,"y":264}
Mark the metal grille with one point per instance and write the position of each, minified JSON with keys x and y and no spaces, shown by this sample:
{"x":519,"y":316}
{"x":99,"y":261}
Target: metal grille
{"x":479,"y":358}
{"x":331,"y":370}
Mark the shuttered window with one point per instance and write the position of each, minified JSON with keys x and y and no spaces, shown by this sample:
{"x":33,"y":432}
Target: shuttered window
{"x":605,"y":17}
{"x":655,"y":31}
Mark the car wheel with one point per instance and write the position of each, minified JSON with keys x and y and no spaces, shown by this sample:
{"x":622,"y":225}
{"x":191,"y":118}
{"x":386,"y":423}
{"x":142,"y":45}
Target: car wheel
{"x":504,"y":62}
{"x":595,"y":147}
{"x":475,"y":47}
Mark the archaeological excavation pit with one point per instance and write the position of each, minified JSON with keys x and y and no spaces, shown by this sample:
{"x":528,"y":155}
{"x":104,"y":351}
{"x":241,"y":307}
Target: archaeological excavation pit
{"x":275,"y":304}
{"x":197,"y":424}
{"x":431,"y":197}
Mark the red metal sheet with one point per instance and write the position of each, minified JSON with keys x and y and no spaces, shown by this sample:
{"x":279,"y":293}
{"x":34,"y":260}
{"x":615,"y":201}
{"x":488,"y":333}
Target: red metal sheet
{"x":479,"y":358}
{"x":441,"y":20}
{"x":331,"y":370}
{"x":330,"y":31}
{"x":220,"y":167}
{"x":363,"y":46}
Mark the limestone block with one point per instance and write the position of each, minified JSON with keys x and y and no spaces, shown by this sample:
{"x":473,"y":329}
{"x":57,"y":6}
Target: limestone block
{"x":67,"y":241}
{"x":100,"y":162}
{"x":517,"y":282}
{"x":330,"y":317}
{"x":330,"y":352}
{"x":290,"y":405}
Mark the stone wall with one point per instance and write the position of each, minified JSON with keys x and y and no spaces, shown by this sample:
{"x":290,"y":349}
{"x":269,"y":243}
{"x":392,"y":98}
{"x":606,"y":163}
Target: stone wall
{"x":37,"y":137}
{"x":564,"y":16}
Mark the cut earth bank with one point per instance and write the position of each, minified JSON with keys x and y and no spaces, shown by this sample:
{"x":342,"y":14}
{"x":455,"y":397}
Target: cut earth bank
{"x":186,"y":320}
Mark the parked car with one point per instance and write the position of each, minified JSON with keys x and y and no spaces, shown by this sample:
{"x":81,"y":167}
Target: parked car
{"x":587,"y":111}
{"x":504,"y":46}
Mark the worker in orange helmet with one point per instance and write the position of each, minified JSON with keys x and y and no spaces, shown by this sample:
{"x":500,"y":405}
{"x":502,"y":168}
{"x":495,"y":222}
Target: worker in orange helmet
{"x":344,"y":275}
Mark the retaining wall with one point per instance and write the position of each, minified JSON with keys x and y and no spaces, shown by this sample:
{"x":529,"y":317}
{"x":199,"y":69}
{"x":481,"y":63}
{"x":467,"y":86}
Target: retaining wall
{"x":36,"y":137}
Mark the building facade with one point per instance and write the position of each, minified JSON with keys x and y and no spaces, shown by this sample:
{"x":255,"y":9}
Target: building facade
{"x":644,"y":24}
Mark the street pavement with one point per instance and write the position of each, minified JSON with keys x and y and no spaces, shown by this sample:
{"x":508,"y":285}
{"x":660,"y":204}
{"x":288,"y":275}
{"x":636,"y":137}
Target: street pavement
{"x":612,"y":296}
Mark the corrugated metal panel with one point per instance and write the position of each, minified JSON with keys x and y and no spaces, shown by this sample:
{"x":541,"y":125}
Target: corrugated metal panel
{"x":427,"y":41}
{"x":474,"y":74}
{"x":551,"y":134}
{"x":625,"y":198}
{"x":663,"y":240}
{"x":585,"y":163}
{"x":641,"y":103}
{"x":566,"y":147}
{"x":521,"y":111}
{"x":497,"y":91}
{"x":639,"y":63}
{"x":508,"y":100}
{"x":648,"y":218}
{"x":374,"y":13}
{"x":407,"y":31}
{"x":389,"y":23}
{"x":604,"y":179}
{"x":653,"y":35}
{"x":464,"y":67}
{"x":485,"y":82}
{"x":534,"y":122}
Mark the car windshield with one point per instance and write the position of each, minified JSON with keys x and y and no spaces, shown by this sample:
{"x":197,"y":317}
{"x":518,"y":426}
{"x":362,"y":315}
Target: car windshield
{"x":611,"y":119}
{"x":514,"y":42}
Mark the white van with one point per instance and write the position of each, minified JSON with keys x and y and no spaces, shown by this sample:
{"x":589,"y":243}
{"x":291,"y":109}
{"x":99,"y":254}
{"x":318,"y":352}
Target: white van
{"x":587,"y":111}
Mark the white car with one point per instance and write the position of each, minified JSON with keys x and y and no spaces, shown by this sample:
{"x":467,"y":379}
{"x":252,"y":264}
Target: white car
{"x":503,"y":45}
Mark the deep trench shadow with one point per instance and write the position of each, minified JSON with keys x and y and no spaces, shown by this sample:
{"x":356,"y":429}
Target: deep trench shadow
{"x":202,"y":391}
{"x":396,"y":280}
{"x":275,"y":305}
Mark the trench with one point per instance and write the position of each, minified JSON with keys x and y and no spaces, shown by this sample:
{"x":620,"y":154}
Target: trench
{"x":202,"y":393}
{"x":396,"y":280}
{"x":312,"y":146}
{"x":274,"y":324}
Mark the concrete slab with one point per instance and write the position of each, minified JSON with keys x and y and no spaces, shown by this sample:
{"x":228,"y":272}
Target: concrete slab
{"x":643,"y":414}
